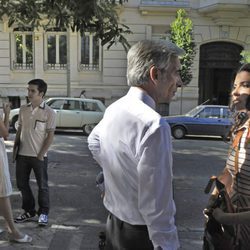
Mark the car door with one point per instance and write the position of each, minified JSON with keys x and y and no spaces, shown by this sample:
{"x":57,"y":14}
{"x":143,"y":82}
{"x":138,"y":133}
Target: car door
{"x":70,"y":115}
{"x":57,"y":105}
{"x":92,"y":112}
{"x":208,"y":122}
{"x":226,"y":121}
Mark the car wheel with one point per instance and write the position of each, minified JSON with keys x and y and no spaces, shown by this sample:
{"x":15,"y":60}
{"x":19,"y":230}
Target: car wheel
{"x":88,"y":128}
{"x":14,"y":123}
{"x":178,"y":132}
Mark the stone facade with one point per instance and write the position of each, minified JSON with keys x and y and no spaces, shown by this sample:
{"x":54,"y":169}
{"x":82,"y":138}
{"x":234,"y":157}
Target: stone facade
{"x":214,"y":21}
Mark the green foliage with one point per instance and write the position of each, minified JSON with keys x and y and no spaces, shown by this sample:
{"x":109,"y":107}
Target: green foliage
{"x":245,"y":56}
{"x":182,"y":34}
{"x":99,"y":16}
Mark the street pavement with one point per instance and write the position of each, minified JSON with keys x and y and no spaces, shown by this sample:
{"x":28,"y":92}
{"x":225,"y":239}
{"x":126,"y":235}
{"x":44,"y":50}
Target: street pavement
{"x":77,"y":214}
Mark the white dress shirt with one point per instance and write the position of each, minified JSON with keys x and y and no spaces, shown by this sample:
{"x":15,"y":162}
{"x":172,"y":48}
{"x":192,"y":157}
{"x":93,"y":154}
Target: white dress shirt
{"x":132,"y":144}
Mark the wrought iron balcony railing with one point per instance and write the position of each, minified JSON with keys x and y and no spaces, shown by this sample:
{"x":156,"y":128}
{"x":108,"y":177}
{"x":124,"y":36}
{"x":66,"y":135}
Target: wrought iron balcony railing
{"x":22,"y":66}
{"x":55,"y":66}
{"x":88,"y":67}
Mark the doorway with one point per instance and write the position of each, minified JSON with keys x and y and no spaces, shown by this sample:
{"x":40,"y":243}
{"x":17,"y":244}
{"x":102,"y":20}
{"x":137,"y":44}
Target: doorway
{"x":218,"y":64}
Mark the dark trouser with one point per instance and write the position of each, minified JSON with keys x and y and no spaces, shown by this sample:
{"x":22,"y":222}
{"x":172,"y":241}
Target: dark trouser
{"x":124,"y":236}
{"x":24,"y":165}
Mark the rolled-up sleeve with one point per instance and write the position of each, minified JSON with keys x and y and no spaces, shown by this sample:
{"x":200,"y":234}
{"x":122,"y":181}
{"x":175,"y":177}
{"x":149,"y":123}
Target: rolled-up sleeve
{"x":155,"y":190}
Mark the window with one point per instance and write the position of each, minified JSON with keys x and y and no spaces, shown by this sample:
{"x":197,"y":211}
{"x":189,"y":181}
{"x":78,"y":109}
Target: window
{"x":210,"y":113}
{"x":90,"y":106}
{"x":226,"y":113}
{"x":23,"y":51}
{"x":90,"y":52}
{"x":71,"y":105}
{"x":56,"y":50}
{"x":56,"y":104}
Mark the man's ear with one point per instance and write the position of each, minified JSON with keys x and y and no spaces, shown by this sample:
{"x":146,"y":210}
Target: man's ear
{"x":153,"y":74}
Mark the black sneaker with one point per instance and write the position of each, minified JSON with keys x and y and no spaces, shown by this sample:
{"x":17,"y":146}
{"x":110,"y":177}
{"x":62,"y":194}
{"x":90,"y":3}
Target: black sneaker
{"x":24,"y":217}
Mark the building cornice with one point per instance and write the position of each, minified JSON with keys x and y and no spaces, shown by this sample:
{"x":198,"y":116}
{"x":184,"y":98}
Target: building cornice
{"x":162,"y":7}
{"x":225,"y":14}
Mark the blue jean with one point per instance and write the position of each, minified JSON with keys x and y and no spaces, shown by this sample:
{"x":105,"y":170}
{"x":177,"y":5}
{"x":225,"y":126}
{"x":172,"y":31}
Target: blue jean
{"x":24,"y":165}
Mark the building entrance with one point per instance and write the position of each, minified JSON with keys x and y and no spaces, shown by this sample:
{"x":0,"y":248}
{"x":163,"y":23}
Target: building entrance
{"x":218,"y":64}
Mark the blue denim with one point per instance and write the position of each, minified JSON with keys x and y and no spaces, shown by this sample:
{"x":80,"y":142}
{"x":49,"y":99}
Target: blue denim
{"x":24,"y":165}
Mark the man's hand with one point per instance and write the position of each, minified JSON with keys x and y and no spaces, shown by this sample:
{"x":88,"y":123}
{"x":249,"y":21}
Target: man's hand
{"x":40,"y":157}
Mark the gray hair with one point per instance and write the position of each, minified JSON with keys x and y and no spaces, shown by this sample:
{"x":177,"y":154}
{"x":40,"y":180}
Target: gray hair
{"x":147,"y":53}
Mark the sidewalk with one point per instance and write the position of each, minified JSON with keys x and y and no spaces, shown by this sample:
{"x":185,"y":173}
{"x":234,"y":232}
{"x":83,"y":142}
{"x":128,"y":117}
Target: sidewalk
{"x":80,"y":237}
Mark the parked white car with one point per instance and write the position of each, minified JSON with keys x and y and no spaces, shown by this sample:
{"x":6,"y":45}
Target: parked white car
{"x":72,"y":113}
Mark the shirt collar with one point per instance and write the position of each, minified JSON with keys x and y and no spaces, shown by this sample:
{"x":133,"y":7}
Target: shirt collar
{"x":142,"y":95}
{"x":41,"y":106}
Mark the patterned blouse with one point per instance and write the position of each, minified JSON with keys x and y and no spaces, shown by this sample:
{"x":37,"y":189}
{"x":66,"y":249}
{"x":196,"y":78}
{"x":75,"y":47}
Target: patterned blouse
{"x":240,"y":194}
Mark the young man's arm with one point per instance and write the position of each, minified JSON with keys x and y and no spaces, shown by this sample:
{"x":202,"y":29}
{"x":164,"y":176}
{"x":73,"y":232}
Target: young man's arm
{"x":46,"y":144}
{"x":17,"y":138}
{"x":51,"y":126}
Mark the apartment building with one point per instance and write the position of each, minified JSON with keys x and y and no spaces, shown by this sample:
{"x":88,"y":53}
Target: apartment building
{"x":70,"y":63}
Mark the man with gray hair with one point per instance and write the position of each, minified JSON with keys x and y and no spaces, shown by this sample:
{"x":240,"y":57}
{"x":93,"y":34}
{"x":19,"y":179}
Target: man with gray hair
{"x":132,"y":144}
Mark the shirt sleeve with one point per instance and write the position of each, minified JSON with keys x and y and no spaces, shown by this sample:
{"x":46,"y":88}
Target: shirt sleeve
{"x":156,"y":202}
{"x":20,"y":117}
{"x":51,"y":122}
{"x":94,"y":142}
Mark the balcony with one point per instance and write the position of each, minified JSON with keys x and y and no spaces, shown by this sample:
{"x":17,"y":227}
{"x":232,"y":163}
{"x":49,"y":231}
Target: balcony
{"x":156,"y":7}
{"x":88,"y":67}
{"x":22,"y":66}
{"x":225,"y":12}
{"x":55,"y":66}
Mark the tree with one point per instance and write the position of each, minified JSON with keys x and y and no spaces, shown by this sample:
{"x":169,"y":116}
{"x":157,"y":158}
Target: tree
{"x":99,"y":16}
{"x":245,"y":56}
{"x":181,"y":33}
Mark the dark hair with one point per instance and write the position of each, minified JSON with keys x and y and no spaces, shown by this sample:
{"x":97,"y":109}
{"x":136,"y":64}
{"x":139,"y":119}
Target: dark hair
{"x":244,"y":67}
{"x":41,"y":85}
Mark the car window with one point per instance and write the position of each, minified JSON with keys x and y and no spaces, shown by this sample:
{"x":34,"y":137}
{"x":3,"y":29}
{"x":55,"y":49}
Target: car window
{"x":210,"y":112}
{"x":226,"y":113}
{"x":215,"y":113}
{"x":194,"y":111}
{"x":71,"y":105}
{"x":56,"y":104}
{"x":90,"y":106}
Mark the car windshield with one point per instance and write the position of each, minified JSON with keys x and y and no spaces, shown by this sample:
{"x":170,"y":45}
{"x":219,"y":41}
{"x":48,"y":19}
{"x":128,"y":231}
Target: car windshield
{"x":194,"y":111}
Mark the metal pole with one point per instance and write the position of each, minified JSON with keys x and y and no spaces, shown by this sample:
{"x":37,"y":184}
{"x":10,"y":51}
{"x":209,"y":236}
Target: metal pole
{"x":68,"y":65}
{"x":181,"y":99}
